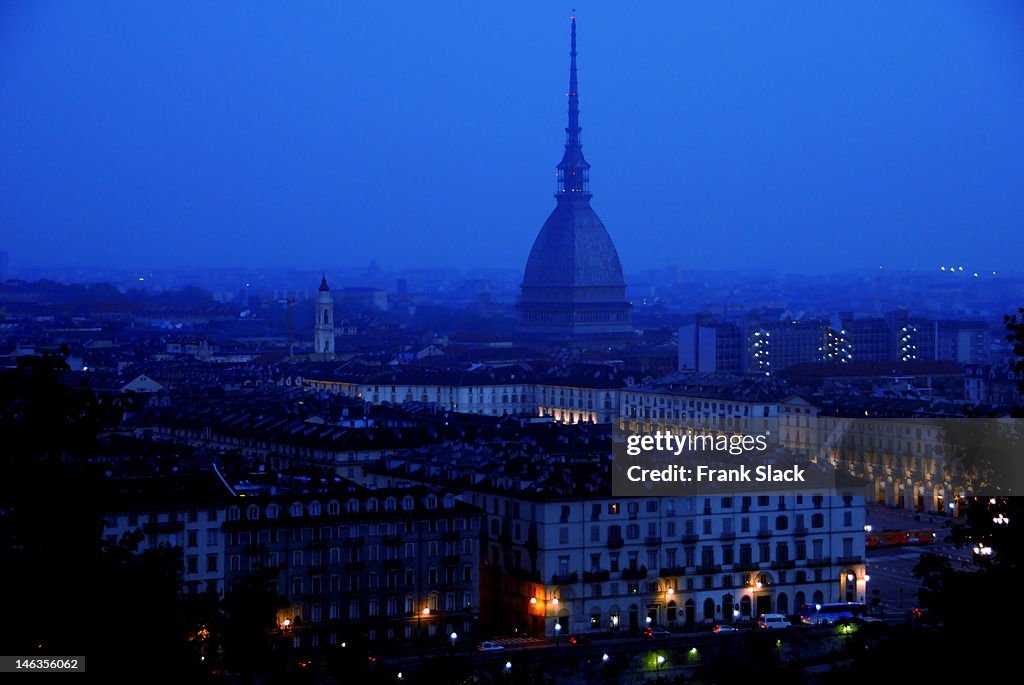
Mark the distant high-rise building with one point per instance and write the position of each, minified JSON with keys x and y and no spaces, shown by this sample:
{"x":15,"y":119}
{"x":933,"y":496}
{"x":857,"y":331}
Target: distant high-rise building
{"x":573,"y":289}
{"x":323,"y":331}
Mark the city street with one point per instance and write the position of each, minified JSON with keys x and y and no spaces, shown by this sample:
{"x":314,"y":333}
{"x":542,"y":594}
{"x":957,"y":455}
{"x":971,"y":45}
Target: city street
{"x":891,"y":568}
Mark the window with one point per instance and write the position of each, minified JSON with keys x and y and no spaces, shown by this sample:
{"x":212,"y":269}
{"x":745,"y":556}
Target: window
{"x":817,"y":520}
{"x":781,"y":522}
{"x":847,"y":518}
{"x":211,"y":563}
{"x":563,"y":536}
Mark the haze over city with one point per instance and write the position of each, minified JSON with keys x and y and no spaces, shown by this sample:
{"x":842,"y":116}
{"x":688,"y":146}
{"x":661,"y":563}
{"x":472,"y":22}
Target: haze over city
{"x":800,"y":137}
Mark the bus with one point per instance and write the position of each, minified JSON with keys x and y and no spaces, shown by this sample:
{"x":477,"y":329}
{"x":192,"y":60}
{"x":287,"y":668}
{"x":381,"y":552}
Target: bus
{"x":814,"y":614}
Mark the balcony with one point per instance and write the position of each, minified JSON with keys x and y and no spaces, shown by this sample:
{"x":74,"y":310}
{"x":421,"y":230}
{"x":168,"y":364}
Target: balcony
{"x":709,"y":568}
{"x":450,"y":559}
{"x":669,"y":571}
{"x":615,"y":543}
{"x":634,"y":573}
{"x":747,"y":565}
{"x":392,"y":539}
{"x":764,"y":533}
{"x":690,"y":538}
{"x":821,"y":561}
{"x":565,"y":579}
{"x":800,"y":530}
{"x":728,"y":535}
{"x":353,"y":542}
{"x":854,"y":559}
{"x":652,"y":540}
{"x":355,"y":566}
{"x":450,"y":536}
{"x":595,"y":576}
{"x":788,"y":563}
{"x":392,"y":564}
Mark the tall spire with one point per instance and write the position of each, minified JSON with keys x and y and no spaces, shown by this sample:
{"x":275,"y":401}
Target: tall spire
{"x":573,"y":130}
{"x":573,"y":170}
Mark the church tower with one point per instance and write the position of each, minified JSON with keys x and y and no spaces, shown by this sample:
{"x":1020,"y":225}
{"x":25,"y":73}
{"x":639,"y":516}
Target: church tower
{"x":573,"y":290}
{"x":323,"y":331}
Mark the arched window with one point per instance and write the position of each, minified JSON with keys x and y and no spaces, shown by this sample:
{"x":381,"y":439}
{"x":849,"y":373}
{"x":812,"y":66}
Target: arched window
{"x":233,"y":513}
{"x":252,"y":512}
{"x":353,"y":506}
{"x":272,"y":511}
{"x":297,"y":509}
{"x":408,"y":503}
{"x":314,"y":508}
{"x":333,"y":507}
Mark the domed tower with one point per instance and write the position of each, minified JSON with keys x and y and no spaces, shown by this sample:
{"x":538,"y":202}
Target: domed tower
{"x":323,"y":331}
{"x":573,"y":289}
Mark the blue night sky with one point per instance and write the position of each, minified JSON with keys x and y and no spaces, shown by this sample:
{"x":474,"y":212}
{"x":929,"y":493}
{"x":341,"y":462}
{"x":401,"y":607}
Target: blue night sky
{"x":806,"y":136}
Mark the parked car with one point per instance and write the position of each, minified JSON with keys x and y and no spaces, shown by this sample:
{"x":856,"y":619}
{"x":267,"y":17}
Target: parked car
{"x":723,"y":628}
{"x":772,"y":621}
{"x":578,"y":639}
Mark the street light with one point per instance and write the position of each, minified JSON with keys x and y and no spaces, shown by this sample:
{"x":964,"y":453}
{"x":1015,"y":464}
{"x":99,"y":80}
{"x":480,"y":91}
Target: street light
{"x":558,"y":631}
{"x":605,"y":657}
{"x":454,"y":636}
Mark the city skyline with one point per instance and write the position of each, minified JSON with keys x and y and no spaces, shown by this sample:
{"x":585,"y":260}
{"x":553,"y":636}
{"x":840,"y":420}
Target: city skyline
{"x":901,"y":130}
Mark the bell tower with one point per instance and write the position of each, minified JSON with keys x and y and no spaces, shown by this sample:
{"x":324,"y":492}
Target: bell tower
{"x":323,"y":331}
